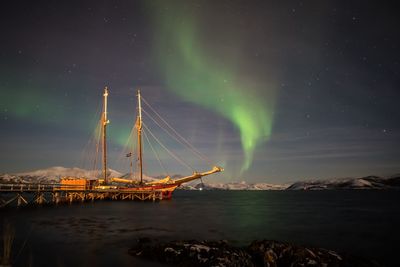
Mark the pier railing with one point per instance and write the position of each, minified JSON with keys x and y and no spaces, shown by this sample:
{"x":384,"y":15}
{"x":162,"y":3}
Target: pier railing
{"x":33,"y":187}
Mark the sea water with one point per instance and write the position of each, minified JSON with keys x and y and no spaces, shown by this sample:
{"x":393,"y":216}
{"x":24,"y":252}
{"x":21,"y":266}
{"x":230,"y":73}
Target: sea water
{"x":359,"y":222}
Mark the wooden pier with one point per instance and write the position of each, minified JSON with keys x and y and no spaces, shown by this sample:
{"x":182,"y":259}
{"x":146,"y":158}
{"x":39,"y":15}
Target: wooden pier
{"x":18,"y":195}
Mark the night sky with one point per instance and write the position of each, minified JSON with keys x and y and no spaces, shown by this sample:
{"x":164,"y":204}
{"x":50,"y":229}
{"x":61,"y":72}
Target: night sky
{"x":274,"y":91}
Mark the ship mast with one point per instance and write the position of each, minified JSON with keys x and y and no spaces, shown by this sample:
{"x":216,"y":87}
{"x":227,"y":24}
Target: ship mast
{"x":139,"y":134}
{"x":105,"y":121}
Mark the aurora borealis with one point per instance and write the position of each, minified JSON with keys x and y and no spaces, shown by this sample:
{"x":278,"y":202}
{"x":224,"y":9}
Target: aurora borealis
{"x":195,"y":76}
{"x":273,"y":92}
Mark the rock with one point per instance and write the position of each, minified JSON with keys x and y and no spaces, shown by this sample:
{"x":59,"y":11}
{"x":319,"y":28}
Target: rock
{"x":192,"y":253}
{"x":270,"y":258}
{"x":264,"y":253}
{"x":273,"y":253}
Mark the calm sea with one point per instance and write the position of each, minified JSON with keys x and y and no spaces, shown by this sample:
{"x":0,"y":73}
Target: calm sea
{"x":364,"y":223}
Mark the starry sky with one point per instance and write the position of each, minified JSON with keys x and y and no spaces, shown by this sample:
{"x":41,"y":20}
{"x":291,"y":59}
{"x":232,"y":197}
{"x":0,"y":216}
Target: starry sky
{"x":273,"y":91}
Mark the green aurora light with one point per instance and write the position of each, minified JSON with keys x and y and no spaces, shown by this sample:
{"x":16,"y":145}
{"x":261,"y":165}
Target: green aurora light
{"x":192,"y":73}
{"x":30,"y":104}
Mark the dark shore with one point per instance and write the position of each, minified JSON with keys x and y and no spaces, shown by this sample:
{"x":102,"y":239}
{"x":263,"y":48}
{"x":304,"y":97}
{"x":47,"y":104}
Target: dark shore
{"x":258,"y":253}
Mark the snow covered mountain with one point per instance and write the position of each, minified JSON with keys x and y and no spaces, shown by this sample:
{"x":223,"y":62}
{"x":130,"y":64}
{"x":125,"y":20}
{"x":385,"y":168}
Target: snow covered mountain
{"x":368,"y":182}
{"x":234,"y":186}
{"x":62,"y":171}
{"x":52,"y":174}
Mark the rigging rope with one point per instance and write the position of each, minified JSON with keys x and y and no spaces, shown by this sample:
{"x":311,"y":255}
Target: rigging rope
{"x":166,"y":149}
{"x":128,"y":148}
{"x":157,"y":156}
{"x":171,"y":134}
{"x":87,"y":159}
{"x":96,"y":156}
{"x":198,"y":153}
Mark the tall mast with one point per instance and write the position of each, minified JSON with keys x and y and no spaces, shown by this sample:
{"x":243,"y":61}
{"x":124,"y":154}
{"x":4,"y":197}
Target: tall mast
{"x":139,"y":134}
{"x":105,"y":121}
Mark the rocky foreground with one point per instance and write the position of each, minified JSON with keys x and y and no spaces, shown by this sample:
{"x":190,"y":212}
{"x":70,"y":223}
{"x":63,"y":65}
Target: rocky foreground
{"x":258,"y":253}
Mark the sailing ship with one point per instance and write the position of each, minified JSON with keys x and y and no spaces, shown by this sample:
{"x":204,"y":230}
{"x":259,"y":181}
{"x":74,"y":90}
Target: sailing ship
{"x":165,"y":186}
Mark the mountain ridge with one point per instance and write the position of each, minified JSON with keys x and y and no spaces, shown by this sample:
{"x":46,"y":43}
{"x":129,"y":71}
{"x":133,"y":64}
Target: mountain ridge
{"x":53,"y":175}
{"x":367,"y":182}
